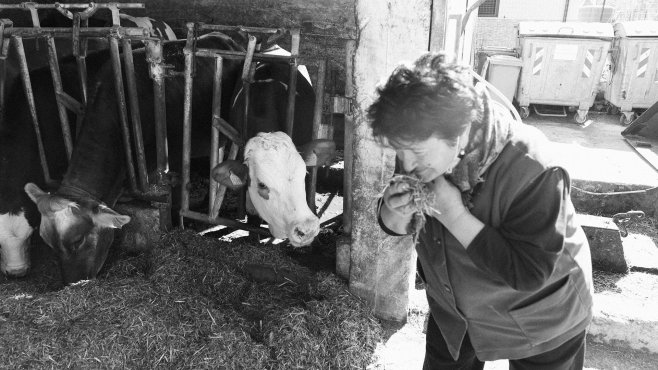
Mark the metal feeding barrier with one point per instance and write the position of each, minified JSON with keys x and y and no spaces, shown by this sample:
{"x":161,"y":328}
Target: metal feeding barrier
{"x":159,"y":193}
{"x":237,"y":138}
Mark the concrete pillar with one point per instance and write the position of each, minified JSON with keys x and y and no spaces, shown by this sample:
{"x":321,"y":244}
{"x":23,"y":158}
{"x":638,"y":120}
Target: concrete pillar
{"x":382,"y":268}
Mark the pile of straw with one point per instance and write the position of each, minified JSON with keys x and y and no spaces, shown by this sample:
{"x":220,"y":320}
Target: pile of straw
{"x":192,"y":302}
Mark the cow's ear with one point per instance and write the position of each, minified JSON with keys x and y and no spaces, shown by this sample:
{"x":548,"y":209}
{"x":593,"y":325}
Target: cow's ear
{"x":319,"y":152}
{"x":231,"y":173}
{"x":107,"y":217}
{"x":34,"y":192}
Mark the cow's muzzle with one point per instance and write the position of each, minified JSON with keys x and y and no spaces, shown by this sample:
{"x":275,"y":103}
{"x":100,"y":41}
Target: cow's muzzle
{"x":304,"y":232}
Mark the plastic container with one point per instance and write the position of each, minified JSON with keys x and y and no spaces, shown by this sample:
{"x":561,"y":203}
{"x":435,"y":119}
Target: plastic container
{"x":503,"y":72}
{"x":634,"y":78}
{"x":562,"y":64}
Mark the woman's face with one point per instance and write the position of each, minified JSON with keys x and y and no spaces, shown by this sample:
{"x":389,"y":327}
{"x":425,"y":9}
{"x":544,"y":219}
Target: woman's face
{"x":427,"y":159}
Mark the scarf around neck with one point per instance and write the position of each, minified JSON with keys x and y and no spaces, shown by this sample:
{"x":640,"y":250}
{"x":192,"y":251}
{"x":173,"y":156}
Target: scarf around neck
{"x":490,"y":132}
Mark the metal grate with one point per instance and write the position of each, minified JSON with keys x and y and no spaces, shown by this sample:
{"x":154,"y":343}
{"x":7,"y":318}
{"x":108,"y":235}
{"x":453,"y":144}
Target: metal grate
{"x":489,"y":8}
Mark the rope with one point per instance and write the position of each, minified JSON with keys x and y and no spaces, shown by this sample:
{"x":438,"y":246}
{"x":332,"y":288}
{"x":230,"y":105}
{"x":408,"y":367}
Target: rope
{"x":643,"y":191}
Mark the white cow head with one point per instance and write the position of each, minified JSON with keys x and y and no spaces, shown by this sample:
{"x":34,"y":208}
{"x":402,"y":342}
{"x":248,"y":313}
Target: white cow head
{"x":274,"y":171}
{"x":15,"y":235}
{"x":79,"y":233}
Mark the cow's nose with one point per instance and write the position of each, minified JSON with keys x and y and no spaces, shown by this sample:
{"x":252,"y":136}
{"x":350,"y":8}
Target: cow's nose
{"x":15,"y":271}
{"x":304,"y":233}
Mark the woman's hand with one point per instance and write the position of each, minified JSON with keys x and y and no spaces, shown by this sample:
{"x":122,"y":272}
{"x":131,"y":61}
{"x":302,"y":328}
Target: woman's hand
{"x":454,"y":215}
{"x":398,"y":207}
{"x":447,"y":200}
{"x":399,"y":199}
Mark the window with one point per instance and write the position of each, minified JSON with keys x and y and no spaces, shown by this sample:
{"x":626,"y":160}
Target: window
{"x":489,"y":8}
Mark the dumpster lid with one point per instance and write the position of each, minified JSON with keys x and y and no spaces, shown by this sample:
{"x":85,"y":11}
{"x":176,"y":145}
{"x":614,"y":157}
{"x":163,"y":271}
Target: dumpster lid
{"x":567,"y":29}
{"x":636,"y":29}
{"x":506,"y":60}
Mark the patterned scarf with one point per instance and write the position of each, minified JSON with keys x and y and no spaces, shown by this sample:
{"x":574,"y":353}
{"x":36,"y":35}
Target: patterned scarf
{"x":490,"y":132}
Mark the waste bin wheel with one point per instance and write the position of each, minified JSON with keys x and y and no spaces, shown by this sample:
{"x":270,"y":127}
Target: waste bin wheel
{"x":580,"y":116}
{"x":525,"y":112}
{"x":626,"y":118}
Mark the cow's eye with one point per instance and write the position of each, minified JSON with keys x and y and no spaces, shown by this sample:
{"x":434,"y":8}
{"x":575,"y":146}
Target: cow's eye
{"x":262,"y":186}
{"x":78,"y":242}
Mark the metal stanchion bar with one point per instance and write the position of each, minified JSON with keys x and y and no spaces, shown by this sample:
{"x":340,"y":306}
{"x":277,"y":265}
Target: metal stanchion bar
{"x":57,"y":85}
{"x":214,"y":139}
{"x":123,"y":114}
{"x":154,"y":49}
{"x":225,"y":128}
{"x":187,"y":123}
{"x":71,"y":103}
{"x":218,"y":27}
{"x":225,"y":221}
{"x":133,"y":100}
{"x":120,"y":32}
{"x":232,"y":54}
{"x":72,"y":6}
{"x":221,"y":189}
{"x":247,"y":76}
{"x":317,"y":124}
{"x":29,"y":95}
{"x":4,"y":51}
{"x":80,"y":53}
{"x":292,"y":84}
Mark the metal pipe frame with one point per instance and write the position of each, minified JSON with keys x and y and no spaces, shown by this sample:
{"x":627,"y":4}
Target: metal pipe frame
{"x":187,"y":122}
{"x":29,"y":95}
{"x":216,"y":156}
{"x":4,"y":51}
{"x":350,"y":47}
{"x":317,"y":122}
{"x":292,"y":85}
{"x":97,"y":32}
{"x":26,"y":5}
{"x":123,"y":113}
{"x":57,"y":85}
{"x":226,"y":222}
{"x":133,"y":100}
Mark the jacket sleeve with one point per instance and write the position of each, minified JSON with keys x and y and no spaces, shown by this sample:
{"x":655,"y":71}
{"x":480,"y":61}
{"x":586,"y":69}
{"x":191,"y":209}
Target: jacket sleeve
{"x":523,"y":250}
{"x":381,"y":222}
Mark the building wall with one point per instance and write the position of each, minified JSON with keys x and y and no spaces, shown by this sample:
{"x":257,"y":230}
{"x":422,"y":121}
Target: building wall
{"x":501,"y":31}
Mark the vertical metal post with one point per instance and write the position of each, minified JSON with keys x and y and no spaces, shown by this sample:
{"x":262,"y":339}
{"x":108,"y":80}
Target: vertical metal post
{"x":80,"y":52}
{"x":350,"y":47}
{"x":214,"y":138}
{"x":247,"y":77}
{"x":133,"y":99}
{"x":57,"y":85}
{"x":29,"y":95}
{"x":187,"y":122}
{"x":160,"y":113}
{"x":292,"y":84}
{"x":123,"y":114}
{"x":4,"y":51}
{"x":317,"y":124}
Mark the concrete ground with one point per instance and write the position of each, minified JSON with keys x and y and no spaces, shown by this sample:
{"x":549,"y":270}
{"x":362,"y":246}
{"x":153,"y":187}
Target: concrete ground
{"x":624,"y":331}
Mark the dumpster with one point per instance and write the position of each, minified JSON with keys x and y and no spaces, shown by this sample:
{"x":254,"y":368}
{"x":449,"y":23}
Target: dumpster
{"x":634,"y":78}
{"x":503,"y":71}
{"x":562,"y":64}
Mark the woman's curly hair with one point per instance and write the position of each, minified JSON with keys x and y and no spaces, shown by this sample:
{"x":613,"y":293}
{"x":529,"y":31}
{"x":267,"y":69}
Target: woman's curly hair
{"x":434,"y":96}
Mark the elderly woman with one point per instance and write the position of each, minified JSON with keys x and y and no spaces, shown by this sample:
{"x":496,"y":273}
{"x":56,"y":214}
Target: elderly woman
{"x":506,"y":266}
